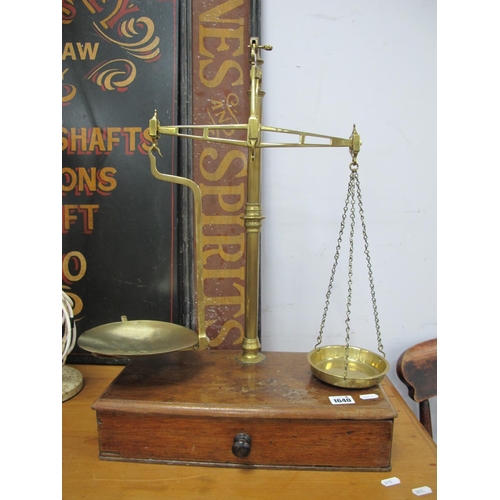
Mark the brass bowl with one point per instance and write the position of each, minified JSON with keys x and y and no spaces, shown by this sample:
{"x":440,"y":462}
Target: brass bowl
{"x":364,"y":368}
{"x":137,"y":338}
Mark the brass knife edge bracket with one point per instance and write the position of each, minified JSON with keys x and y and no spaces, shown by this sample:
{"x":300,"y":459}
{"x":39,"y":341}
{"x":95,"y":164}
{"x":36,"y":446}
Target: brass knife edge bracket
{"x":253,"y":212}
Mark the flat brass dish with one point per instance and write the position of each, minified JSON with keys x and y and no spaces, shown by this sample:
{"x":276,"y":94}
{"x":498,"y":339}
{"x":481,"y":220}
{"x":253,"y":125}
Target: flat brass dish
{"x":364,"y":368}
{"x":137,"y":338}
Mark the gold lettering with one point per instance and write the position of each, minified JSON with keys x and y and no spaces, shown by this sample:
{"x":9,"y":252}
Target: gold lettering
{"x":87,"y":180}
{"x":224,"y":273}
{"x":77,"y":301}
{"x":69,"y":51}
{"x":82,"y":266}
{"x":82,"y":137}
{"x":88,"y":216}
{"x":111,"y":139}
{"x":214,"y":14}
{"x":107,"y":182}
{"x":70,"y":174}
{"x":221,"y":191}
{"x":131,"y":131}
{"x":224,"y":164}
{"x":221,"y":34}
{"x":96,"y":139}
{"x":228,"y":220}
{"x":221,"y":73}
{"x":224,"y":241}
{"x":87,"y":49}
{"x":65,"y":142}
{"x":229,"y":300}
{"x":224,"y":331}
{"x":68,"y":217}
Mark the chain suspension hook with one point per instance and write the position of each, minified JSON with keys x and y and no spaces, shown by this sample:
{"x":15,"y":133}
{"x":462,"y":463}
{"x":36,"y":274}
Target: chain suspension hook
{"x":154,"y":147}
{"x":354,"y":149}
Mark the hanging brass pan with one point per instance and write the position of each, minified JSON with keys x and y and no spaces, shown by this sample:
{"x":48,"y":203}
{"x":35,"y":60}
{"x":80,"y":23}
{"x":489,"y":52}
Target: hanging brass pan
{"x":364,"y":368}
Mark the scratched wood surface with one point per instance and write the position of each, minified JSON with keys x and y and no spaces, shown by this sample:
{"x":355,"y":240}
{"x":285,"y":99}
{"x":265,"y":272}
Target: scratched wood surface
{"x":414,"y":457}
{"x":188,"y":407}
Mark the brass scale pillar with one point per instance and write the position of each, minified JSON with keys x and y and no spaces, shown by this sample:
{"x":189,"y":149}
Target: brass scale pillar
{"x":253,"y":212}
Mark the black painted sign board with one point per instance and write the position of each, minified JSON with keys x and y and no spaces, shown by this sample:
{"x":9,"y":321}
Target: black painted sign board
{"x":120,"y":226}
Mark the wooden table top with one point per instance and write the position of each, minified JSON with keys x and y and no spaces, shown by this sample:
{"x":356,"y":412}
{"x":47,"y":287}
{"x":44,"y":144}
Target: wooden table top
{"x":84,"y":475}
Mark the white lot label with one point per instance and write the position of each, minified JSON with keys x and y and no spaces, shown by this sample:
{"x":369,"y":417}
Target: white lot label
{"x":341,"y":400}
{"x":423,"y":490}
{"x":369,"y":396}
{"x":391,"y":481}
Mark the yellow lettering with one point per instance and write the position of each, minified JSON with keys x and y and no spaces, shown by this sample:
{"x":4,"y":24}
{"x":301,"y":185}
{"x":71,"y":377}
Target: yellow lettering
{"x":68,"y":216}
{"x":77,"y":301}
{"x":82,"y":266}
{"x":229,"y":300}
{"x":96,"y":140}
{"x":224,"y":331}
{"x":69,"y":51}
{"x":111,"y":139}
{"x":213,"y":220}
{"x":131,"y":131}
{"x":214,"y":14}
{"x":221,"y":242}
{"x":224,"y":165}
{"x":87,"y":180}
{"x":88,"y":214}
{"x":221,"y":73}
{"x":222,"y":35}
{"x":87,"y":50}
{"x":106,"y":180}
{"x":64,"y":138}
{"x":70,"y":175}
{"x":82,"y":137}
{"x":224,"y":273}
{"x":222,"y":191}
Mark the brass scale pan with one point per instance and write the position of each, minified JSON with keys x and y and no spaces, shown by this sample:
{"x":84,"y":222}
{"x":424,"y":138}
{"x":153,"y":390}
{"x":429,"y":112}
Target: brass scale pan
{"x":137,"y":338}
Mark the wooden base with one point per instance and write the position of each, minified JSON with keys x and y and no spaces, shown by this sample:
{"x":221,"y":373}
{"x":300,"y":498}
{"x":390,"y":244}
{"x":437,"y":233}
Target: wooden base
{"x":188,"y":407}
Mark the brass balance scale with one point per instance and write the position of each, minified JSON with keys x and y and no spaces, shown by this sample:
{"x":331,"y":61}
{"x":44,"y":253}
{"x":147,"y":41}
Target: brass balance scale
{"x":177,"y":401}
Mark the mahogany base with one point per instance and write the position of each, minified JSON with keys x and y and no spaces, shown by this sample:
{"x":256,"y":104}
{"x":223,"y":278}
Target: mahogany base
{"x":188,"y":407}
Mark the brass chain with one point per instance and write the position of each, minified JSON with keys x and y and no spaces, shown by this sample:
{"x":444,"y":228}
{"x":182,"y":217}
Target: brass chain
{"x":353,"y":190}
{"x":334,"y":268}
{"x":349,"y":273}
{"x":369,"y":266}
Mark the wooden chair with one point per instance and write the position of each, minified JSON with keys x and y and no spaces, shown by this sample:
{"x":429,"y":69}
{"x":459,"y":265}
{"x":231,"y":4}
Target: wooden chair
{"x":417,"y":369}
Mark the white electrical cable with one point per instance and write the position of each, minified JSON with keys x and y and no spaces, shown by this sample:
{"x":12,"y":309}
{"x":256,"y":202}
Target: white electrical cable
{"x":69,"y":334}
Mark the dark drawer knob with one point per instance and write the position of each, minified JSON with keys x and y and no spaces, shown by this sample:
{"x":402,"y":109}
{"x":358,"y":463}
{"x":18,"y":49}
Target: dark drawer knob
{"x":242,"y":445}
